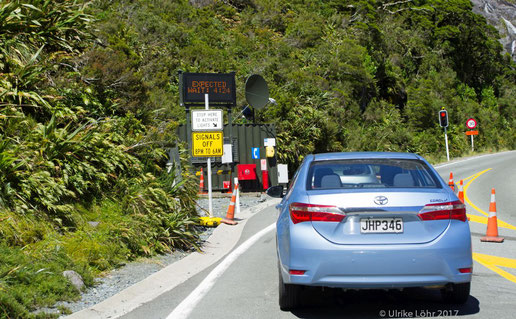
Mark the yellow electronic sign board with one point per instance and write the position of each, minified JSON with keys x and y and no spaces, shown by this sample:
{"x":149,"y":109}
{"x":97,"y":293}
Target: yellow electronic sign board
{"x":207,"y":144}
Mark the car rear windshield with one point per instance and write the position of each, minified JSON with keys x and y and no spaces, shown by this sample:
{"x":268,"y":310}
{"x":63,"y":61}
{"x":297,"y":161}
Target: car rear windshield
{"x":371,"y":173}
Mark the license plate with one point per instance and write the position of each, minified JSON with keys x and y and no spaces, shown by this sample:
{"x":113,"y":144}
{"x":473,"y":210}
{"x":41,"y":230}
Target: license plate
{"x":381,"y":225}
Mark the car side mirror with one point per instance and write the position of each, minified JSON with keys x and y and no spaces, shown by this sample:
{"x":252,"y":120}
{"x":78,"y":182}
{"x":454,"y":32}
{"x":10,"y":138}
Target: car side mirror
{"x":275,"y":191}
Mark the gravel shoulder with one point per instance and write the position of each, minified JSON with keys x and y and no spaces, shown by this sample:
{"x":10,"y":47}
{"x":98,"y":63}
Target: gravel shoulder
{"x":119,"y":279}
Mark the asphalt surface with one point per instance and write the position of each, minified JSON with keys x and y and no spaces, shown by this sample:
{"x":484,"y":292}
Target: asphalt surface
{"x":248,"y":287}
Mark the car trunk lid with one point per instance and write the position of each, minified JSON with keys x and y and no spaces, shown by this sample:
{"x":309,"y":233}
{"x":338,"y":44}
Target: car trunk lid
{"x":364,"y":210}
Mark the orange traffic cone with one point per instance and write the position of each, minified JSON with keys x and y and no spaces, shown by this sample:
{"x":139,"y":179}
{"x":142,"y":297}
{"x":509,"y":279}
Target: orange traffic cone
{"x":461,"y":191}
{"x":230,"y":215}
{"x":201,"y":184}
{"x":492,"y":224}
{"x":450,"y":183}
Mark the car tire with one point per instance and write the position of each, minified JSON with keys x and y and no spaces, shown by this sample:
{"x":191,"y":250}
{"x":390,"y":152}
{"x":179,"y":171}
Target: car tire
{"x":288,"y":295}
{"x":456,"y":293}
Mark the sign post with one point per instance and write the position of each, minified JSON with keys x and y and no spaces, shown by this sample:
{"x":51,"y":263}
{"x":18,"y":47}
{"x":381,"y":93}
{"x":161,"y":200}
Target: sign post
{"x":210,"y":195}
{"x":471,"y":124}
{"x":207,"y":139}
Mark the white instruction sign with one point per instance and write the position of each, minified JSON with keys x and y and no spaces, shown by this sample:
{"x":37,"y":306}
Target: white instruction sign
{"x":269,"y":142}
{"x":207,"y":120}
{"x":282,"y":173}
{"x":227,"y":157}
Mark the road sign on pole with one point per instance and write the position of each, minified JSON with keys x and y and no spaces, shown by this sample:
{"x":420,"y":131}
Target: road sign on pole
{"x":207,"y":144}
{"x":207,"y":120}
{"x":471,"y":123}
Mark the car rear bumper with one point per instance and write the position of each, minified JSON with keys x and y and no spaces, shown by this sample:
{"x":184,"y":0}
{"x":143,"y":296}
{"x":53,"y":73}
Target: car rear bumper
{"x":376,"y":266}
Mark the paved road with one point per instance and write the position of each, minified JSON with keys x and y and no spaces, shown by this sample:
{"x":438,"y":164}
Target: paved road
{"x":248,"y":288}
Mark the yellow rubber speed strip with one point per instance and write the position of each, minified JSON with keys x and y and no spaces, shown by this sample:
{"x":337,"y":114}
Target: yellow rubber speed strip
{"x":480,"y":219}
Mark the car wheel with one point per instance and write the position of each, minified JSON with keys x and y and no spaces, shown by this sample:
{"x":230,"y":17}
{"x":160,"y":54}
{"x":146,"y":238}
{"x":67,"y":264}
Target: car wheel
{"x":288,"y":295}
{"x":456,"y":293}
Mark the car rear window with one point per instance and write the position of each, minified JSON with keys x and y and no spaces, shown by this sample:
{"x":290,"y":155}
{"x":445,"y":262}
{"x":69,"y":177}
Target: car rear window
{"x":371,"y":173}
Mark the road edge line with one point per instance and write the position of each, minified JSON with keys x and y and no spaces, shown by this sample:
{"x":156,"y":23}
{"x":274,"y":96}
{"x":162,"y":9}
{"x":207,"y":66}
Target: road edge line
{"x":223,"y":239}
{"x":186,"y":306}
{"x":458,"y":161}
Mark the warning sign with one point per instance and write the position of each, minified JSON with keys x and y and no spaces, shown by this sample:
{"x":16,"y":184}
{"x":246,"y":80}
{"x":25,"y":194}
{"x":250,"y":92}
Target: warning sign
{"x":207,"y":144}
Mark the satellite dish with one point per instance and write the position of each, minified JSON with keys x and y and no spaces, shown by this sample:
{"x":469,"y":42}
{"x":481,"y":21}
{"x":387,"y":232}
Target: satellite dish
{"x":256,"y":91}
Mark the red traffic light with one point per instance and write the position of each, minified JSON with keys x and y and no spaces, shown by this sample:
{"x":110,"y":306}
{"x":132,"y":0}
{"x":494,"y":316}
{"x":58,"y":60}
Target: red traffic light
{"x":443,"y":118}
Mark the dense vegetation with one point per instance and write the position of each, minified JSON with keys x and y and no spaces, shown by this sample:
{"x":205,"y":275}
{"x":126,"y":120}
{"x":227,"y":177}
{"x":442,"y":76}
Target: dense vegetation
{"x":89,"y":106}
{"x":82,"y":185}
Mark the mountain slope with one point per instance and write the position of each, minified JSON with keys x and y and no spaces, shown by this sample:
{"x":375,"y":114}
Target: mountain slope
{"x":502,"y":15}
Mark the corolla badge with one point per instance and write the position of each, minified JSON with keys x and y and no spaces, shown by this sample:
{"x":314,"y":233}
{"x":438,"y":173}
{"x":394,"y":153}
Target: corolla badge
{"x":380,"y":200}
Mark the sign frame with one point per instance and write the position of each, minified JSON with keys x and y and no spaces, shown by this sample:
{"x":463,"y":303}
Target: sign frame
{"x":197,"y":114}
{"x":208,"y":149}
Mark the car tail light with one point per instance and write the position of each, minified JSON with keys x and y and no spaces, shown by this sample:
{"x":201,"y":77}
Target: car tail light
{"x":448,"y":210}
{"x":466,"y":270}
{"x":300,"y":212}
{"x":296,"y":272}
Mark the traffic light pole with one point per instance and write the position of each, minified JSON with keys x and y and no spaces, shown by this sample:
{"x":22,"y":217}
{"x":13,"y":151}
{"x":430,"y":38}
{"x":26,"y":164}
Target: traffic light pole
{"x":446,"y":142}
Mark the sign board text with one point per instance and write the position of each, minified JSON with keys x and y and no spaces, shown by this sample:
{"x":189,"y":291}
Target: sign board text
{"x":207,"y":144}
{"x":207,"y":120}
{"x":220,"y":88}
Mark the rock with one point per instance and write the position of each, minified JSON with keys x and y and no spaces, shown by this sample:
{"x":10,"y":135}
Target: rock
{"x":201,"y":3}
{"x":94,"y":224}
{"x":75,"y":279}
{"x":502,"y":15}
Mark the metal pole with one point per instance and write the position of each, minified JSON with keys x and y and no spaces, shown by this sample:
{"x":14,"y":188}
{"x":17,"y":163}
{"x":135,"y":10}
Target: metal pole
{"x":472,"y":145}
{"x":210,"y":204}
{"x":230,"y":124}
{"x":237,"y":208}
{"x":446,"y":141}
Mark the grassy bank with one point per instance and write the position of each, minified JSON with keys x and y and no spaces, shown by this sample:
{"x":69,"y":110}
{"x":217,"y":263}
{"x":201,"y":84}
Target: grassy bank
{"x":34,"y":253}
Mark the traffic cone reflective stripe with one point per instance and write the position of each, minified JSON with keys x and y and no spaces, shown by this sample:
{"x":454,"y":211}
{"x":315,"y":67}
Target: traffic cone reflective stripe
{"x":492,"y":204}
{"x":450,"y":182}
{"x":461,"y":191}
{"x":492,"y":223}
{"x":201,"y":184}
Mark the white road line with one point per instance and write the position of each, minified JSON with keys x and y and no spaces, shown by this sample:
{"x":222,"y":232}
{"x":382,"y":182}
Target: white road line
{"x":469,"y":159}
{"x":184,"y":309}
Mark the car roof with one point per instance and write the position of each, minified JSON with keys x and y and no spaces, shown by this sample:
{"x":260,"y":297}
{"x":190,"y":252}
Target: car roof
{"x":363,"y":155}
